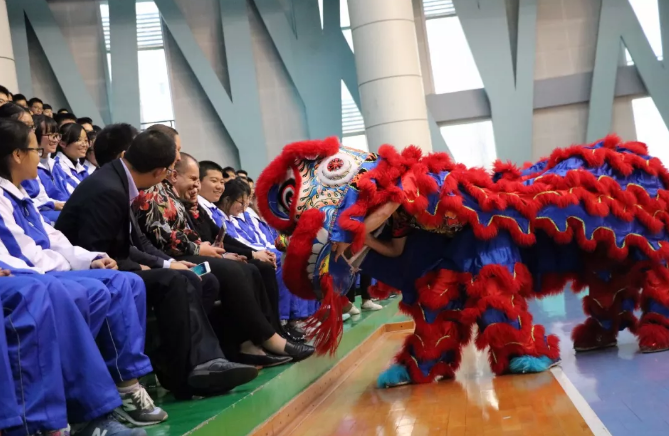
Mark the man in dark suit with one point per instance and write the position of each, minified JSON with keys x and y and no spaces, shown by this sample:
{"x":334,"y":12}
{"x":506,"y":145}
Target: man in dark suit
{"x":98,"y":217}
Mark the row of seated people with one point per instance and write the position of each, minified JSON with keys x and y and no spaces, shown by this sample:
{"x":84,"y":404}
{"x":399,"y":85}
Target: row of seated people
{"x":130,"y":216}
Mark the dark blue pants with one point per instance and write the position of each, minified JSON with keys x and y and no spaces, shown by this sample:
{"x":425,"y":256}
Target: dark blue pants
{"x":120,"y":332}
{"x":58,"y":374}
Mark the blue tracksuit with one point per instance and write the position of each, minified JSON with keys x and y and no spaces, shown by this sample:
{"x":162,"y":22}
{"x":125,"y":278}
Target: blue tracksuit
{"x":58,"y":374}
{"x":28,"y":242}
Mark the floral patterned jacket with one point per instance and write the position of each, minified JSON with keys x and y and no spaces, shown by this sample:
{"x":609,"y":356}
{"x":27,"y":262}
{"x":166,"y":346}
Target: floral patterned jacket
{"x":164,"y":220}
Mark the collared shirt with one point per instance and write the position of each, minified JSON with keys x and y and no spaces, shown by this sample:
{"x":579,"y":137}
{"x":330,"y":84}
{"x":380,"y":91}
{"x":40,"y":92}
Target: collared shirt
{"x":214,"y":212}
{"x":133,"y":192}
{"x":164,"y":220}
{"x":90,"y":168}
{"x":55,"y":189}
{"x":26,"y":236}
{"x":69,"y":173}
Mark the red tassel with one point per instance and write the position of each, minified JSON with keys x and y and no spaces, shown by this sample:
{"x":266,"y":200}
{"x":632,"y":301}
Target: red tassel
{"x":328,"y":333}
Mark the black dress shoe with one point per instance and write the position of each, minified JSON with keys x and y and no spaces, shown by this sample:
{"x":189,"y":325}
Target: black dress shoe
{"x":218,"y":376}
{"x":266,"y":361}
{"x":298,"y":351}
{"x":293,"y":335}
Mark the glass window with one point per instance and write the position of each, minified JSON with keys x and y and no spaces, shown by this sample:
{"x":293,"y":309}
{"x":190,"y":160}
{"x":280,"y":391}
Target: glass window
{"x":351,"y":118}
{"x":453,"y":66}
{"x":648,"y":14}
{"x":154,"y":87}
{"x":472,"y":144}
{"x":358,"y":142}
{"x":650,"y":128}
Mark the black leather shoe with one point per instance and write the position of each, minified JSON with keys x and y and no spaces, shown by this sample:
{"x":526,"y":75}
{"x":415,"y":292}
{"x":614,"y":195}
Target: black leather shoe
{"x":293,"y":335}
{"x":298,"y":351}
{"x":266,"y":361}
{"x":218,"y":376}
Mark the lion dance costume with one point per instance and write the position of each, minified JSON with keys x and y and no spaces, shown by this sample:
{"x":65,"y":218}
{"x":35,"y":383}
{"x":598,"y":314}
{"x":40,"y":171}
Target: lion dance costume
{"x":594,"y":216}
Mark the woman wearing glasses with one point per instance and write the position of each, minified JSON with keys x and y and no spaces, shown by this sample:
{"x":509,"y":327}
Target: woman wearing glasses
{"x":68,"y":170}
{"x":45,"y":201}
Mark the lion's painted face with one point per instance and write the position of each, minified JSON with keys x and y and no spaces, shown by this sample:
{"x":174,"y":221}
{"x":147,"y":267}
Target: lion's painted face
{"x":318,"y":183}
{"x":313,"y":175}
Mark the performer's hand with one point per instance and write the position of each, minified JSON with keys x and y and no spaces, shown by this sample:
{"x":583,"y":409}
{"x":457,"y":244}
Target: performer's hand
{"x":58,"y":205}
{"x":339,"y":248}
{"x":5,"y":273}
{"x":144,"y":268}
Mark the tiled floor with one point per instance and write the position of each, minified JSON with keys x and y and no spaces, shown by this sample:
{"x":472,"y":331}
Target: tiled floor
{"x":629,"y":391}
{"x":475,"y":404}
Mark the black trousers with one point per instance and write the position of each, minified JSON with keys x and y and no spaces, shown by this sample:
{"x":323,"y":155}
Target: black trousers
{"x":186,"y":338}
{"x":268,"y":274}
{"x":245,"y":313}
{"x":365,"y":283}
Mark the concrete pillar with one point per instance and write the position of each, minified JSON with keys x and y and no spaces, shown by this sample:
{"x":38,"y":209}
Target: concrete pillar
{"x":389,"y":75}
{"x":7,"y":67}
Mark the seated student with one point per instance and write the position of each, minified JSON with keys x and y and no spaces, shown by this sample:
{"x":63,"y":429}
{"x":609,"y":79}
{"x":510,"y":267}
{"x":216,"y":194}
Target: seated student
{"x":86,"y":123}
{"x":164,"y":220}
{"x":68,"y":171}
{"x":36,"y":106}
{"x":31,"y":243}
{"x":89,"y":161}
{"x":47,"y":110}
{"x":5,"y":95}
{"x":51,"y":372}
{"x":234,"y":204}
{"x":228,"y":174}
{"x":208,"y":224}
{"x":65,"y":118}
{"x":47,"y":206}
{"x":187,"y":186}
{"x":20,"y":99}
{"x":48,"y":198}
{"x":98,"y":217}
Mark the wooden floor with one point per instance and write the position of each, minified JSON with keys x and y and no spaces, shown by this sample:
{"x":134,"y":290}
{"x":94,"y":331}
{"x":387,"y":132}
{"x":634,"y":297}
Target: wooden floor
{"x":477,"y":403}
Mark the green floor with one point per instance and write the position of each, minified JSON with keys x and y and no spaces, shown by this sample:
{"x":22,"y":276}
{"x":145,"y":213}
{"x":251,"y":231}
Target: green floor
{"x":248,"y":406}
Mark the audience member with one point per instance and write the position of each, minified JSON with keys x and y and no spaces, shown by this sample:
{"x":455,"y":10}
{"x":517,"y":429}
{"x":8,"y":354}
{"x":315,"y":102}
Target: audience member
{"x":47,"y":110}
{"x":65,"y":118}
{"x":73,"y":146}
{"x":86,"y":123}
{"x":242,"y":174}
{"x":5,"y":95}
{"x":247,"y":310}
{"x":36,"y":106}
{"x":98,"y":217}
{"x":63,"y":111}
{"x":20,"y":99}
{"x":15,"y":112}
{"x":243,"y":225}
{"x":32,"y":243}
{"x":228,"y":174}
{"x":187,"y":188}
{"x":89,"y":161}
{"x":51,"y":365}
{"x":48,"y":205}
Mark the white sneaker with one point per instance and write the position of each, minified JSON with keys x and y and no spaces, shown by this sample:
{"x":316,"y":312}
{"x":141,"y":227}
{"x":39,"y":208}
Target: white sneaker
{"x":345,"y":316}
{"x":353,"y":310}
{"x":370,"y":305}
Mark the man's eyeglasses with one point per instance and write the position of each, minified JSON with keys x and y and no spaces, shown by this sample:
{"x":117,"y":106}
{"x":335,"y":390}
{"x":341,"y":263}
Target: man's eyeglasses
{"x":170,"y":171}
{"x":39,"y":150}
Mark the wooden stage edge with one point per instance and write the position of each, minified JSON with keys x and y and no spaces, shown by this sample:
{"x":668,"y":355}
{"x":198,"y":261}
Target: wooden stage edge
{"x":334,"y":382}
{"x":307,"y":400}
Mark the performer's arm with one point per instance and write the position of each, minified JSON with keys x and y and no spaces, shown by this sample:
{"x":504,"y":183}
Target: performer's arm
{"x":389,"y":248}
{"x":372,"y":222}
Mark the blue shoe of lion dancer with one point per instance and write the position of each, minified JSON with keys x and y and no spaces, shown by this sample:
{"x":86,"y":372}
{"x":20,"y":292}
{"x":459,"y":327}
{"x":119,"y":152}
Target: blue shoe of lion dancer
{"x":396,"y":375}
